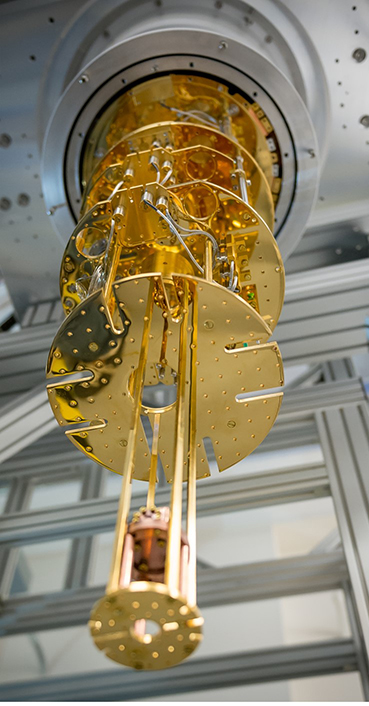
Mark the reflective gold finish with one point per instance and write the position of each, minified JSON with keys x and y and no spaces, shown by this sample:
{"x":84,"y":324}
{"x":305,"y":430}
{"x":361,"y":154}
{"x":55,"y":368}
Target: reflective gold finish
{"x":172,"y":281}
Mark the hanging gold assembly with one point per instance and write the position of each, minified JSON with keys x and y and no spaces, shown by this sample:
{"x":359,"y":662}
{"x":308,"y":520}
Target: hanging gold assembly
{"x":172,"y":284}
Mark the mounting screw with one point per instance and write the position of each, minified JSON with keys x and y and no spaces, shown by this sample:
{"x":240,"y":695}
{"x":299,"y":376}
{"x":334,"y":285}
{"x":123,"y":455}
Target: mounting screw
{"x":23,"y":200}
{"x":222,"y":45}
{"x":359,"y":55}
{"x":231,"y":423}
{"x":123,"y":442}
{"x":84,"y":79}
{"x":5,"y":203}
{"x":5,"y":140}
{"x":365,"y":120}
{"x":209,"y":324}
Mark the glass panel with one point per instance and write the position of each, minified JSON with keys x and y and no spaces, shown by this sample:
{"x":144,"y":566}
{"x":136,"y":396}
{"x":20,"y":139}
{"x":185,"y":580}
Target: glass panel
{"x":261,"y":461}
{"x":41,"y":568}
{"x":103,"y":548}
{"x":113,"y":485}
{"x":49,"y":653}
{"x":264,"y":533}
{"x":48,"y":495}
{"x":333,"y":687}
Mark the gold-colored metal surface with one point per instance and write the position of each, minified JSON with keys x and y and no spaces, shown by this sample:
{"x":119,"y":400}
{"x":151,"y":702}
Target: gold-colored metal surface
{"x":182,"y":98}
{"x":232,"y":358}
{"x":172,"y":283}
{"x":113,"y":626}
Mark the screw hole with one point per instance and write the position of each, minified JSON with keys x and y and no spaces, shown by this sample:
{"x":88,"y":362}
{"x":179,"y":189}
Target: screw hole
{"x":32,"y":57}
{"x":255,"y":93}
{"x":51,"y":20}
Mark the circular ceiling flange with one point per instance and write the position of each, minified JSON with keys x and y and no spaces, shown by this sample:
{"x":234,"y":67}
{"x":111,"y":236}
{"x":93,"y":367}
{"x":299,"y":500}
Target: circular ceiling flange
{"x":209,"y":53}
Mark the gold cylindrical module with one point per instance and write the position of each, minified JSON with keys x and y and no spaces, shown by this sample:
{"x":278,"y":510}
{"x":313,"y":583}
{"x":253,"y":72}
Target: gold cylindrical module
{"x":172,"y":280}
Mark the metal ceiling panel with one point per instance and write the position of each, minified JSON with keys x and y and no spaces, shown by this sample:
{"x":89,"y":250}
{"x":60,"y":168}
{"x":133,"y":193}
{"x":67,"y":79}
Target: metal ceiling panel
{"x":325,"y":53}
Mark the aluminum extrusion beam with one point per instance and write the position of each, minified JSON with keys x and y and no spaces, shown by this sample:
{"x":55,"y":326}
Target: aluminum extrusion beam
{"x":304,"y":403}
{"x":323,"y":318}
{"x":24,"y":421}
{"x":213,"y":497}
{"x":362,"y":657}
{"x":344,"y":436}
{"x":295,"y":426}
{"x":6,"y":304}
{"x":35,"y":460}
{"x":277,"y":664}
{"x":233,"y":584}
{"x":17,"y":501}
{"x":324,"y":313}
{"x":80,"y":558}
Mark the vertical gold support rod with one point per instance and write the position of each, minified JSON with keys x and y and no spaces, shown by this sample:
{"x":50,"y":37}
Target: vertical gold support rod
{"x":125,"y":497}
{"x":113,"y":270}
{"x":208,"y":260}
{"x":117,"y":249}
{"x":191,"y":478}
{"x":172,"y":562}
{"x":154,"y":463}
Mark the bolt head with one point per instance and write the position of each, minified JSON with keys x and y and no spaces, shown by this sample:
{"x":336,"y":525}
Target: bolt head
{"x":23,"y":200}
{"x":5,"y":140}
{"x":359,"y":55}
{"x":5,"y":203}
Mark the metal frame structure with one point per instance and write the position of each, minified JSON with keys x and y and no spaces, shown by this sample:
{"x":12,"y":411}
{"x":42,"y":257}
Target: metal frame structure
{"x":332,"y":410}
{"x":315,"y":659}
{"x":323,"y":326}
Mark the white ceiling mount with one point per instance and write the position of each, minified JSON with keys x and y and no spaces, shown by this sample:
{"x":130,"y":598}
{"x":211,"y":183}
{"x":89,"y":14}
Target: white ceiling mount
{"x":201,"y":51}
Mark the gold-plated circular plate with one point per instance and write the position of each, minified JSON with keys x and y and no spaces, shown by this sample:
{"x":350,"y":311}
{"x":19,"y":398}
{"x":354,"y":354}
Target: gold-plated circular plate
{"x":228,"y":338}
{"x":114,"y":627}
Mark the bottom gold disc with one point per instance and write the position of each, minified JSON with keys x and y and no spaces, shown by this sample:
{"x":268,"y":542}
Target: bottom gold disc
{"x":145,"y":626}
